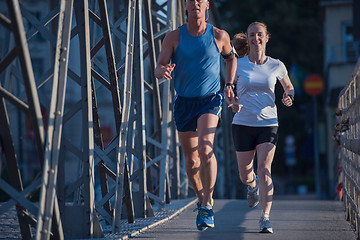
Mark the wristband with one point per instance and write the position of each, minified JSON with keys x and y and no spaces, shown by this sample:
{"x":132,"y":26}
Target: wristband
{"x":230,"y":84}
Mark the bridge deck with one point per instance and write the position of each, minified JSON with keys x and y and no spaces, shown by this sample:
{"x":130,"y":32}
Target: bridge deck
{"x":290,"y":219}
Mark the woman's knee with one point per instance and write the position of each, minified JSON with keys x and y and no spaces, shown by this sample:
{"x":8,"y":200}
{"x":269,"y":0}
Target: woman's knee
{"x":246,"y":179}
{"x":264,"y":172}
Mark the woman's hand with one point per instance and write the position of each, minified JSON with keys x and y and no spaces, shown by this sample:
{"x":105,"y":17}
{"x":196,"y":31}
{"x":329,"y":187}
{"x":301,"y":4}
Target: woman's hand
{"x":287,"y":100}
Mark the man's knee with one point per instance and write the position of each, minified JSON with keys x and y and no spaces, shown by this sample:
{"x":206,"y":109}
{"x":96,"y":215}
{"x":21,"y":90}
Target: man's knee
{"x":205,"y":151}
{"x":192,"y":163}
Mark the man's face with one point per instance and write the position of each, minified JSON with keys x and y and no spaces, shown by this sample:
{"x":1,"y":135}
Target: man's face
{"x":197,"y":8}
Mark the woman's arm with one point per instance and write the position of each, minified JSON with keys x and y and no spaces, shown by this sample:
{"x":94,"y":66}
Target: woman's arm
{"x":289,"y":93}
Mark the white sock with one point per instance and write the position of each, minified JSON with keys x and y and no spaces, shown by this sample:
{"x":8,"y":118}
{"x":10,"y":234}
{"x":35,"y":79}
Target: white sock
{"x":207,"y":206}
{"x":265,"y":215}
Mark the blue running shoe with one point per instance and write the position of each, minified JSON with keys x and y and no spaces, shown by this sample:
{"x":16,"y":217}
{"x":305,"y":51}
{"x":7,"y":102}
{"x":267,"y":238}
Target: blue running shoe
{"x":200,"y":228}
{"x":206,"y":217}
{"x":198,"y":206}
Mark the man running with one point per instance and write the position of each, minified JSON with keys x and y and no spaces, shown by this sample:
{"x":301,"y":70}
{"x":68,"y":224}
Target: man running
{"x":194,"y":50}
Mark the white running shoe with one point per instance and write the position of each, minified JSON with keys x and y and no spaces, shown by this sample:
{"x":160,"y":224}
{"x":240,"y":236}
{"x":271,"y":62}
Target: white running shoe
{"x":264,"y":224}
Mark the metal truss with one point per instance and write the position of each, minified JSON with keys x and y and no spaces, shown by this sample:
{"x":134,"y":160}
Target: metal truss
{"x":48,"y":199}
{"x":115,"y":49}
{"x":141,"y":164}
{"x":26,"y":210}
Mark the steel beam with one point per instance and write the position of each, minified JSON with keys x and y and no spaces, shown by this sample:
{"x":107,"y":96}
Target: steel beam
{"x":121,"y":153}
{"x":129,"y":85}
{"x":48,"y":199}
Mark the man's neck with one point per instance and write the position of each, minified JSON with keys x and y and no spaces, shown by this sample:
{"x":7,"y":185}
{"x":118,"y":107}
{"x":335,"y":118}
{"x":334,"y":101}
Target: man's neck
{"x":196,"y":27}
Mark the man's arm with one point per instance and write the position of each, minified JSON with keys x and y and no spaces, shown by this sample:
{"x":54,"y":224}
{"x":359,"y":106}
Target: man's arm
{"x":226,"y":50}
{"x":163,"y":68}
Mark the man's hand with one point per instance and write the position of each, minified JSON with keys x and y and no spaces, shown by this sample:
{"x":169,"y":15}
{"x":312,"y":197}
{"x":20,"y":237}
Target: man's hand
{"x":164,"y":71}
{"x":229,"y":95}
{"x":236,"y":106}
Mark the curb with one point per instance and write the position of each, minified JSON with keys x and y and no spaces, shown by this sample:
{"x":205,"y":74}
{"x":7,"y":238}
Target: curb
{"x":161,"y":221}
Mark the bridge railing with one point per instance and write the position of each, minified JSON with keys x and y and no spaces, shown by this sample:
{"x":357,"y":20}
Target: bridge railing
{"x":348,"y":138}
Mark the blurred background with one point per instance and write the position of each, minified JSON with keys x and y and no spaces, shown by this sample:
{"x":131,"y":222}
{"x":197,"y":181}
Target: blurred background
{"x":110,"y":149}
{"x":319,"y":43}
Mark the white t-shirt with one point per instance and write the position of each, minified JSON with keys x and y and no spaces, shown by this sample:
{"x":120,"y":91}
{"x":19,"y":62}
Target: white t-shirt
{"x":255,"y":86}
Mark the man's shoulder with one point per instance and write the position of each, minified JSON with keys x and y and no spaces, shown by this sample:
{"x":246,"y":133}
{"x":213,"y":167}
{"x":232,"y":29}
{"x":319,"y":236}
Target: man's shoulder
{"x":173,"y":36}
{"x":220,"y":33}
{"x":174,"y":33}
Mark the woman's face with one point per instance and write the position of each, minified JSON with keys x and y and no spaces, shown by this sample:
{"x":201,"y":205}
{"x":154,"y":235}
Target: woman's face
{"x":257,"y":38}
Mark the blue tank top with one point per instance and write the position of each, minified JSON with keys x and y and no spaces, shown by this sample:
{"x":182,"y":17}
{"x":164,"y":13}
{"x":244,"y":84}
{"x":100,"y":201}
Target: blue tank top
{"x":197,"y":59}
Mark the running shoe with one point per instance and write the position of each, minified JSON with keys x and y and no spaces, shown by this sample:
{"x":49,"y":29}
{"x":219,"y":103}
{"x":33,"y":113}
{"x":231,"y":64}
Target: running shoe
{"x":253,"y":194}
{"x":206,"y":218}
{"x":198,"y":206}
{"x":200,"y":228}
{"x":264,"y":224}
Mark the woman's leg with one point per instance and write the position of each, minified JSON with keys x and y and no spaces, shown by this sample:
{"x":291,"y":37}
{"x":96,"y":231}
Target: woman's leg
{"x":246,"y":167}
{"x":265,"y":156}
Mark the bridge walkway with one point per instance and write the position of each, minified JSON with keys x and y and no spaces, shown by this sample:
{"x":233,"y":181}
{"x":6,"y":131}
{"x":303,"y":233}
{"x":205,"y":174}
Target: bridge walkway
{"x":290,"y":219}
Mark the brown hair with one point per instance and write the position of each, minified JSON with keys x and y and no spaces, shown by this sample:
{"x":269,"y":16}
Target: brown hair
{"x":240,"y":44}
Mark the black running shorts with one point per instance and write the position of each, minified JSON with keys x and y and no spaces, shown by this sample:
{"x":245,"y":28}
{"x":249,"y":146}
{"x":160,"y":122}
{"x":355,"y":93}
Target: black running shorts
{"x":247,"y":138}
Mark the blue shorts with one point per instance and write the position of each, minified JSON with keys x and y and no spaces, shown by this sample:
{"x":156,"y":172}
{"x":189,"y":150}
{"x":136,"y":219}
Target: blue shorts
{"x":247,"y":138}
{"x":188,"y":110}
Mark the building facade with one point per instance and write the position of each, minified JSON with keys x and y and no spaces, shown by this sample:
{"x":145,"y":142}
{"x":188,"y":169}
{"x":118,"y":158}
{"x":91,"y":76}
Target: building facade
{"x":341,"y":52}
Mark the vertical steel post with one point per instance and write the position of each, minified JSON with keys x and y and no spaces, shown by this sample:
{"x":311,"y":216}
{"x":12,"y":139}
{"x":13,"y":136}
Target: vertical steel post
{"x":140,"y":139}
{"x":48,"y":196}
{"x":121,"y":152}
{"x":87,"y":155}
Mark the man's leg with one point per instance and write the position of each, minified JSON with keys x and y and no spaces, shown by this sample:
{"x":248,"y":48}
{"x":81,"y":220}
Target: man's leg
{"x":189,"y":145}
{"x":206,"y":125}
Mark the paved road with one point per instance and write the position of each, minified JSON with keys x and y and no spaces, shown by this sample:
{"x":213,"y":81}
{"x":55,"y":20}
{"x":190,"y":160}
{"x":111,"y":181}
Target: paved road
{"x":290,"y":219}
